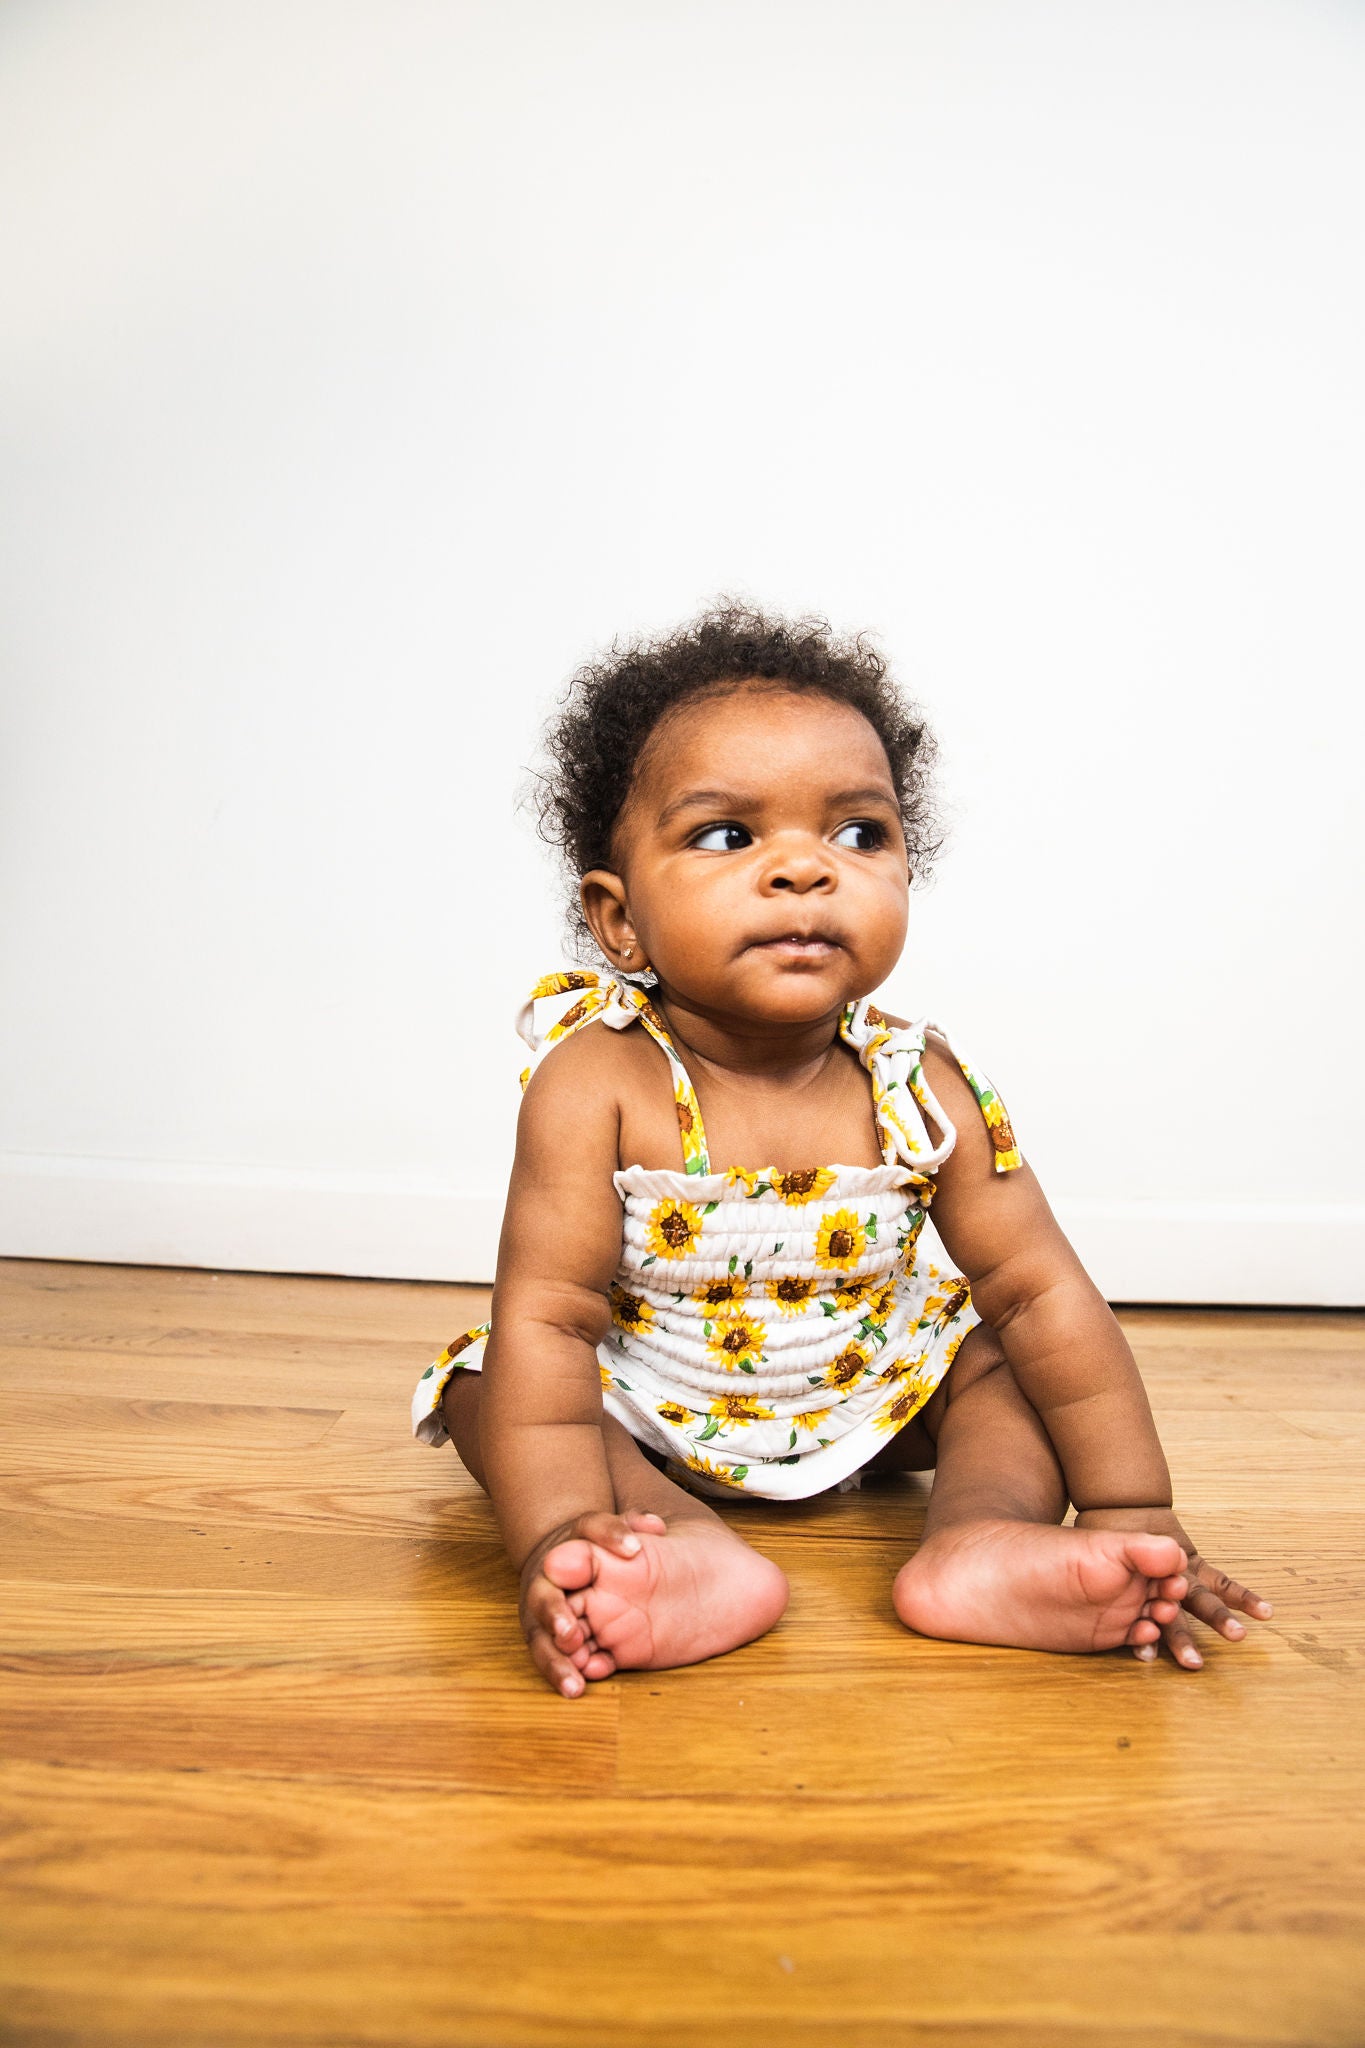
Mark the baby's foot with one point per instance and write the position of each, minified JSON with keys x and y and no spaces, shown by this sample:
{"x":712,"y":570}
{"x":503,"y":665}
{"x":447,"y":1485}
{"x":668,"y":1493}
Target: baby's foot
{"x":1030,"y":1587}
{"x":692,"y":1593}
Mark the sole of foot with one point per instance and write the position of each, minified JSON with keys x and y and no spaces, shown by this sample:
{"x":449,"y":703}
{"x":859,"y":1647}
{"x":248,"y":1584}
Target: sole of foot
{"x":1028,"y":1587}
{"x":694,"y":1593}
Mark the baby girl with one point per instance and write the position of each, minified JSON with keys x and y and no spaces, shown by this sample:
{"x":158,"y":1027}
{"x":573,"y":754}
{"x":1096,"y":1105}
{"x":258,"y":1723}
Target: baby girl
{"x":708,"y":1284}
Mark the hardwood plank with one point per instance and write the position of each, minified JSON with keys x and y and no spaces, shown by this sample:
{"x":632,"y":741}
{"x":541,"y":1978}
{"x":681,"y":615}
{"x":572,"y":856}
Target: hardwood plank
{"x":49,"y":1419}
{"x":959,"y":1851}
{"x":819,"y":1977}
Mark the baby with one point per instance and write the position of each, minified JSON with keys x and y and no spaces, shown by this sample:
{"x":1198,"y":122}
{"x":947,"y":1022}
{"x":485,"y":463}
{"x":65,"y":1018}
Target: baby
{"x":708,"y":1282}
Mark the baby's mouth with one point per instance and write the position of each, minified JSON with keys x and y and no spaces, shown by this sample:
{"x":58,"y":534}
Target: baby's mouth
{"x":798,"y":945}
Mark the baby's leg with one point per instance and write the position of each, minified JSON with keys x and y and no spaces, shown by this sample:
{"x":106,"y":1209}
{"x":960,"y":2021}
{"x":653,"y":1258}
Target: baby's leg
{"x":690,"y":1593}
{"x":994,"y":1567}
{"x":460,"y":1413}
{"x":693,"y":1592}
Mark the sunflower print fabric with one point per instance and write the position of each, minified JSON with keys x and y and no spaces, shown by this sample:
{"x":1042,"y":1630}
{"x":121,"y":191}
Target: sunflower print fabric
{"x":771,"y":1327}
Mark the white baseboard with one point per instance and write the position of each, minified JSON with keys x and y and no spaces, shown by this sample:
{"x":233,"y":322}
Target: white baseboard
{"x":280,"y":1220}
{"x":147,"y":1212}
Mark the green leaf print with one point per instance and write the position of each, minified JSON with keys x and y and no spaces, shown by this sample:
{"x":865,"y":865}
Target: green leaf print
{"x":824,"y":1442}
{"x":778,"y":1246}
{"x":829,"y":1308}
{"x":814,"y":1378}
{"x":712,"y":1429}
{"x":710,"y":1208}
{"x":788,"y":1461}
{"x":791,"y":1441}
{"x":748,"y":1269}
{"x":740,"y":1474}
{"x":624,"y":1385}
{"x":696,"y":1166}
{"x":650,"y":1260}
{"x":734,"y":1261}
{"x":707,"y":1327}
{"x":429,"y":1371}
{"x":746,"y":1365}
{"x":872,"y":1226}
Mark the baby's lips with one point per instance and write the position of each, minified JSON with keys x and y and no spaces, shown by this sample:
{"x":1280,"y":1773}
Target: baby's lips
{"x":814,"y":938}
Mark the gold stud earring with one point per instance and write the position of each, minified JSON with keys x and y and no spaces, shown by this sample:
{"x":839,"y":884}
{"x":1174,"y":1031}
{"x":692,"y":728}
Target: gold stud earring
{"x":626,"y":952}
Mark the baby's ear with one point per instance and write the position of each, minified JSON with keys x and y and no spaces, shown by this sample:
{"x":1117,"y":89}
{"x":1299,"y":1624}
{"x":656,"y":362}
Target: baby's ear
{"x":603,"y":897}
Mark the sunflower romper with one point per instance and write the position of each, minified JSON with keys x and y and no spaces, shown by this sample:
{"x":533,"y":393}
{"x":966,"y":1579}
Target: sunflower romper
{"x":770,"y":1331}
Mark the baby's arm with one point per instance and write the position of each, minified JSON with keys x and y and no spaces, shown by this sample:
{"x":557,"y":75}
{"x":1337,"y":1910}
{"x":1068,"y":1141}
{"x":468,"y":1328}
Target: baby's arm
{"x":540,"y":1420}
{"x":1067,"y":1352}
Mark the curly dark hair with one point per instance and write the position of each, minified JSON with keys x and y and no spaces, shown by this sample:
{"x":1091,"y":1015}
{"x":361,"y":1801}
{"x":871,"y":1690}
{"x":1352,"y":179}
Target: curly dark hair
{"x":613,"y":705}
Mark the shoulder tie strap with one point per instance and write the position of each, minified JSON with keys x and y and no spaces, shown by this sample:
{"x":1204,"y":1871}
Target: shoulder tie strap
{"x":617,"y":1004}
{"x":903,"y":1099}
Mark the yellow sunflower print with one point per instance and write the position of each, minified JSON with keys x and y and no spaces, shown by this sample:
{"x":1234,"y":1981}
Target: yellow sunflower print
{"x":740,"y":1408}
{"x":793,"y":1293}
{"x":953,"y":1346}
{"x":629,"y":1311}
{"x":853,"y":1293}
{"x":1002,"y":1135}
{"x":721,"y":1294}
{"x":847,"y":1369}
{"x":808,"y":1184}
{"x":674,"y":1412}
{"x":881,"y":1304}
{"x":736,"y":1340}
{"x":459,"y":1344}
{"x":840,"y":1241}
{"x":908,"y":1402}
{"x":728,"y":1475}
{"x":673,"y":1229}
{"x":955,"y":1302}
{"x":816,"y":1419}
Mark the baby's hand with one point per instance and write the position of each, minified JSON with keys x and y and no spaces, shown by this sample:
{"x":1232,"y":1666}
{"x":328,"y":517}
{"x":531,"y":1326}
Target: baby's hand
{"x":1210,"y":1596}
{"x":558,"y":1637}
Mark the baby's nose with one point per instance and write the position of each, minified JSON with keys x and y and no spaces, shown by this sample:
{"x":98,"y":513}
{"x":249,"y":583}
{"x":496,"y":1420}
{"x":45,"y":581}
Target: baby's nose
{"x":801,"y":872}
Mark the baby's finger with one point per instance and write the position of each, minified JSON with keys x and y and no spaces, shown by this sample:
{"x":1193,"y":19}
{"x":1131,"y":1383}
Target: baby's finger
{"x":557,"y":1670}
{"x":1231,"y":1593}
{"x":544,"y":1606}
{"x":1181,"y":1645}
{"x":1143,"y":1630}
{"x":1162,"y":1610}
{"x":647,"y":1524}
{"x":609,"y":1532}
{"x":1211,"y":1611}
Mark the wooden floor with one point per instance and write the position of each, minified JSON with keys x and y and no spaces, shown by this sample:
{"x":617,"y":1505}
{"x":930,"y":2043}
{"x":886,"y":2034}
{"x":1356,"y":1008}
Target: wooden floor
{"x":276,"y":1769}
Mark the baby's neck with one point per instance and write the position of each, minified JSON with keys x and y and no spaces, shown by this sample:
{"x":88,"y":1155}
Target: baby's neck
{"x":790,"y":1054}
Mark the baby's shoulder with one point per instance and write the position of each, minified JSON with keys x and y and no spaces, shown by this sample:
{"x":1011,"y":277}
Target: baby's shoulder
{"x":592,"y":1067}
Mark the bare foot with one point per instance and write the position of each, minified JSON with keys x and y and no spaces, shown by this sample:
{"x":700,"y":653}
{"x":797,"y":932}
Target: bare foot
{"x":1031,"y":1587}
{"x":693,"y":1593}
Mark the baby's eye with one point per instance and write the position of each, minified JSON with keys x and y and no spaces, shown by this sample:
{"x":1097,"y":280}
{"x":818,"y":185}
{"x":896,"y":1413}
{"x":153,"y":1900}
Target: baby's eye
{"x":863,"y":835}
{"x":723,"y":838}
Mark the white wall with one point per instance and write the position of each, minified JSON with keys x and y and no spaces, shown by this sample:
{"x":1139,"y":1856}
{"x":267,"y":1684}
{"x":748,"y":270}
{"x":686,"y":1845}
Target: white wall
{"x":363,"y":367}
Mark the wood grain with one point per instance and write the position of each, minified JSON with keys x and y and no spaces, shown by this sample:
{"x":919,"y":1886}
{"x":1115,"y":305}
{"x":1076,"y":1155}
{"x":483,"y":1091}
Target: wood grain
{"x":275,"y":1769}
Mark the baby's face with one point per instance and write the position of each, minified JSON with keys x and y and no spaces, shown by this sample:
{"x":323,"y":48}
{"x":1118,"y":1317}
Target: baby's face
{"x":762,"y":857}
